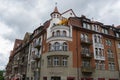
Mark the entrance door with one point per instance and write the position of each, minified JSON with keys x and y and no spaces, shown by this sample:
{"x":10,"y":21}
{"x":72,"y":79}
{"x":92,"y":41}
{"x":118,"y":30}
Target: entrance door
{"x":55,"y":78}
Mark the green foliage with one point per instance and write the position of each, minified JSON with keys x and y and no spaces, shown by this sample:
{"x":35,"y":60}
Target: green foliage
{"x":1,"y":75}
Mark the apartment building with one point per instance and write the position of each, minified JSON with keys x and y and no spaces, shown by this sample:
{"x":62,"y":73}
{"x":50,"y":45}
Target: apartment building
{"x":67,"y":47}
{"x":17,"y":66}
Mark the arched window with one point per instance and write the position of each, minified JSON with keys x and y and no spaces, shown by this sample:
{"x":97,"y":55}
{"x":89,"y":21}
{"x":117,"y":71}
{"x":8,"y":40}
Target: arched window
{"x":57,"y":46}
{"x":95,"y":38}
{"x":49,"y":47}
{"x":64,"y":33}
{"x":65,"y":46}
{"x":96,"y":51}
{"x":58,"y":33}
{"x":53,"y":34}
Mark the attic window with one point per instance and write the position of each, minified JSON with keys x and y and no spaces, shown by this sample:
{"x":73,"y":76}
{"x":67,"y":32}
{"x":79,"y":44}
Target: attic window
{"x":70,"y":13}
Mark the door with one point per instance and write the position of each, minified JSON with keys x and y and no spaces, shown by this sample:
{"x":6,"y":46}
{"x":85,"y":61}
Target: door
{"x":55,"y":78}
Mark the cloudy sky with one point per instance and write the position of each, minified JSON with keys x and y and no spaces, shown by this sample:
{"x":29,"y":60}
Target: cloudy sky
{"x":20,"y":16}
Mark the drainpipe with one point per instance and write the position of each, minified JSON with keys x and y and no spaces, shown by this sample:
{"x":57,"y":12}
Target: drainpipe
{"x":77,"y":54}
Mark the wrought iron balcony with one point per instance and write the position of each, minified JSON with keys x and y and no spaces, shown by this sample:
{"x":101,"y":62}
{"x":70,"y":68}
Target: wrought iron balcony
{"x":37,"y":44}
{"x":86,"y":41}
{"x":86,"y":54}
{"x":87,"y":69}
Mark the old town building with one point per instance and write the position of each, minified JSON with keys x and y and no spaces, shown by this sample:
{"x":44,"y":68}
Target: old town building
{"x":67,"y":47}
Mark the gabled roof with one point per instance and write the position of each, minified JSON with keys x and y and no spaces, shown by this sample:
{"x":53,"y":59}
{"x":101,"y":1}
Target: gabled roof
{"x":68,"y":11}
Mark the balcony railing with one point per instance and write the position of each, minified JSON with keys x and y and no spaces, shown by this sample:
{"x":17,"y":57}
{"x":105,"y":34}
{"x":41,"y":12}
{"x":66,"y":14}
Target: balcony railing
{"x":37,"y":44}
{"x":86,"y":41}
{"x":58,"y":48}
{"x":85,"y":54}
{"x":87,"y":69}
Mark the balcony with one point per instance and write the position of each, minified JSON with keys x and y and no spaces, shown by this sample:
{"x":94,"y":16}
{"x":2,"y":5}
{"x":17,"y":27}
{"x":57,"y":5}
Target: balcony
{"x":86,"y":55}
{"x":37,"y":44}
{"x":86,"y":41}
{"x":87,"y":70}
{"x":67,"y":38}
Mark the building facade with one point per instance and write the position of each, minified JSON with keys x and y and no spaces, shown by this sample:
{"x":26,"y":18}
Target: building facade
{"x":67,"y":47}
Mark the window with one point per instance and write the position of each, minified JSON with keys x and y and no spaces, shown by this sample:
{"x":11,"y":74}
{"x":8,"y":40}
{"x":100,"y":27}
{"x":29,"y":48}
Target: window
{"x":58,"y":33}
{"x":108,"y":42}
{"x":111,"y":66}
{"x":119,"y":45}
{"x":56,"y":61}
{"x":86,"y":63}
{"x":100,"y":65}
{"x":110,"y":53}
{"x":64,"y":33}
{"x":65,"y":46}
{"x":88,"y":26}
{"x":50,"y":47}
{"x":95,"y":38}
{"x":84,"y":25}
{"x":96,"y":52}
{"x":117,"y":35}
{"x":57,"y":46}
{"x":49,"y":61}
{"x":64,"y":61}
{"x":84,"y":37}
{"x":99,"y":40}
{"x":53,"y":34}
{"x":85,"y":50}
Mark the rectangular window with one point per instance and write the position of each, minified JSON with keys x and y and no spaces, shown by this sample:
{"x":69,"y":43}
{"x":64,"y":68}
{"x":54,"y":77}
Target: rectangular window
{"x":119,"y":45}
{"x":49,"y":61}
{"x":64,"y":61}
{"x":111,"y":66}
{"x":84,"y":25}
{"x":56,"y":61}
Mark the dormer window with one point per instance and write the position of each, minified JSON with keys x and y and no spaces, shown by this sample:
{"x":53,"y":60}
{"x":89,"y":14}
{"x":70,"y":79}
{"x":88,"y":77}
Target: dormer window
{"x":70,"y":13}
{"x":86,"y":25}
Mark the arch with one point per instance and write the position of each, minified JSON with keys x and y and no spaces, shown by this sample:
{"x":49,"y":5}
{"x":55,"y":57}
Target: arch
{"x":65,"y":46}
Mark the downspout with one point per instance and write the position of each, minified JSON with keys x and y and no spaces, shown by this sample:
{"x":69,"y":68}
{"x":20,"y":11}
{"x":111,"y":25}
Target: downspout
{"x":77,"y":54}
